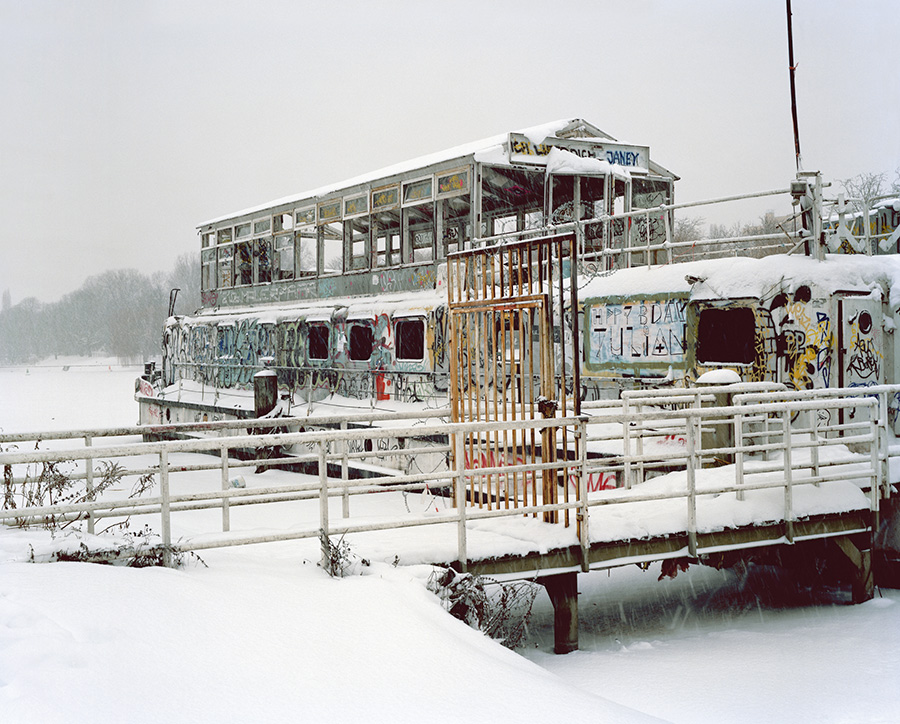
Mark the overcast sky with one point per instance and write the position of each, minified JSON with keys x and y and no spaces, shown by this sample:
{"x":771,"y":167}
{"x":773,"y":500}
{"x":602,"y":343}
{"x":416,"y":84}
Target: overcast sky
{"x":126,"y":124}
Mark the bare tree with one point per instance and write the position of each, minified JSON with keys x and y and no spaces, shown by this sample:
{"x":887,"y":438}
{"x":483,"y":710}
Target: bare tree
{"x":688,"y":228}
{"x":863,"y":188}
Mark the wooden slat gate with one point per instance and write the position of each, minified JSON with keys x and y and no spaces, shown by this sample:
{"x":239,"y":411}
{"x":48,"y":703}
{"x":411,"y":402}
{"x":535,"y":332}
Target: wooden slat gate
{"x":509,"y":362}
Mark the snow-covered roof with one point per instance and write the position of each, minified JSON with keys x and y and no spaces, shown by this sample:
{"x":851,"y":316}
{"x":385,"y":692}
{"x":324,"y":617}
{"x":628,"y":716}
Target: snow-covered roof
{"x":489,"y":149}
{"x":737,"y":277}
{"x":403,"y":303}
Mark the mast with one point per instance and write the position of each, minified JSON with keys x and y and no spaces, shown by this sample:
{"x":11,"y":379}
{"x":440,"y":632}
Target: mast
{"x":793,"y":68}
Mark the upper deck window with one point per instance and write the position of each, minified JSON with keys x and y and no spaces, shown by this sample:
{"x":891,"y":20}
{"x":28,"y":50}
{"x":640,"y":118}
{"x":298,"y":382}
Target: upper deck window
{"x":417,"y":192}
{"x":455,"y":224}
{"x":453,"y":183}
{"x":331,"y":237}
{"x":284,"y":257}
{"x":356,"y":205}
{"x":282,"y":222}
{"x":207,"y":269}
{"x":226,"y":266}
{"x":262,"y":226}
{"x":418,"y":225}
{"x":306,"y":217}
{"x":262,"y":252}
{"x":242,"y":231}
{"x":387,"y":197}
{"x":356,"y":233}
{"x":386,"y":236}
{"x":509,"y":196}
{"x":223,"y":236}
{"x":243,"y":264}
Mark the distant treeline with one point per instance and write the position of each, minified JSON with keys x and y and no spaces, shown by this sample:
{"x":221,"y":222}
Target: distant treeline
{"x":117,"y":313}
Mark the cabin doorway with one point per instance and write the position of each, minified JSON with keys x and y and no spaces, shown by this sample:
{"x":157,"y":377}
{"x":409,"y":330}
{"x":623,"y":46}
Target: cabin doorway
{"x":860,"y":343}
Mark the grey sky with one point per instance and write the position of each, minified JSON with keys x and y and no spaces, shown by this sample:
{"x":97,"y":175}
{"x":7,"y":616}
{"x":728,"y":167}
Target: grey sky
{"x":126,"y":124}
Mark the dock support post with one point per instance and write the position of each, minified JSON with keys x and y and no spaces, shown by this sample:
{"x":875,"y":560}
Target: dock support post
{"x":858,"y":550}
{"x":563,"y":591}
{"x":265,"y":392}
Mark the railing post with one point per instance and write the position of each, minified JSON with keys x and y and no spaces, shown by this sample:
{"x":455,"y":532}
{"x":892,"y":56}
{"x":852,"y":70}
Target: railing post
{"x":164,"y":507}
{"x":626,"y":445}
{"x":788,"y":477}
{"x":639,"y":442}
{"x":345,"y":498}
{"x":584,"y":536}
{"x":459,"y":453}
{"x":89,"y":483}
{"x":691,"y":440}
{"x":814,"y":450}
{"x":668,"y":224}
{"x":875,"y":456}
{"x":323,"y":502}
{"x":883,"y":442}
{"x":739,"y":453}
{"x":226,"y":484}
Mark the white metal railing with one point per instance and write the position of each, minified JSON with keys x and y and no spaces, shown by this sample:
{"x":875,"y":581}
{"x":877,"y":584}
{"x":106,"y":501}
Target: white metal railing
{"x":613,"y":441}
{"x":629,"y":245}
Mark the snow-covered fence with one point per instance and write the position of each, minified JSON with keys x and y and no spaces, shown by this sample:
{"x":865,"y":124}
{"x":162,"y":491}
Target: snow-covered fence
{"x":686,"y":447}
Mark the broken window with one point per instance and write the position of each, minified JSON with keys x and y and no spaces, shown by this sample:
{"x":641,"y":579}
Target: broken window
{"x":455,"y":224}
{"x":726,"y":336}
{"x":387,"y":238}
{"x":357,"y":234}
{"x":331,"y":237}
{"x":332,"y":248}
{"x":262,"y":250}
{"x":362,"y":341}
{"x":409,"y":339}
{"x":510,"y":195}
{"x":307,"y":254}
{"x":282,"y":222}
{"x":208,"y":266}
{"x":418,"y":222}
{"x":284,"y":257}
{"x":243,"y":264}
{"x":226,"y":266}
{"x":318,"y":341}
{"x":593,"y":206}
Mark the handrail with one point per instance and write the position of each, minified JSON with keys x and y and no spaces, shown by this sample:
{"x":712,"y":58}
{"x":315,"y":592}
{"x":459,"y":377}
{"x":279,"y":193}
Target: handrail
{"x":797,"y":465}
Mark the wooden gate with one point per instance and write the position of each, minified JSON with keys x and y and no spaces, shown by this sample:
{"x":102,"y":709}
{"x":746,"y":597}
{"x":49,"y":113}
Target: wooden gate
{"x":509,"y":363}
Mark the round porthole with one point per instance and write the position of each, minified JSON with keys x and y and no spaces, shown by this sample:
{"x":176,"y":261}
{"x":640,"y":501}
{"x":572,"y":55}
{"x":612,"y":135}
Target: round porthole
{"x":865,"y":322}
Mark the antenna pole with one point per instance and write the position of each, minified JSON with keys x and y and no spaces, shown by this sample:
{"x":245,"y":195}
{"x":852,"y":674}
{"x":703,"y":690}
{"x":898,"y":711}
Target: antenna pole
{"x":793,"y":69}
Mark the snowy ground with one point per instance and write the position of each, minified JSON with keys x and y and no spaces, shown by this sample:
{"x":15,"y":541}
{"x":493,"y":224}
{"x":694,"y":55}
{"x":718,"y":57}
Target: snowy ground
{"x":260,"y":633}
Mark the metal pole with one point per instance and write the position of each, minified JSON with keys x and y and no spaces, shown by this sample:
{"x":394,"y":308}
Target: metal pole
{"x":345,"y":499}
{"x":164,"y":507}
{"x":89,"y":483}
{"x":584,"y":536}
{"x":226,"y":510}
{"x":323,"y":502}
{"x":460,"y":455}
{"x":691,"y":486}
{"x":739,"y":454}
{"x":788,"y":477}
